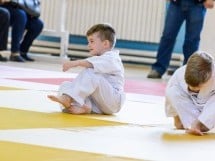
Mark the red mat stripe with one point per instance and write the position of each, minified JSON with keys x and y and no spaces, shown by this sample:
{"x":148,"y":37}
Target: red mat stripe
{"x":131,"y":86}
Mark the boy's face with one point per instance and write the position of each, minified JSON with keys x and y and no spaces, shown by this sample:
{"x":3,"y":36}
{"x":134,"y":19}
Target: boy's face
{"x":195,"y":89}
{"x":96,"y":45}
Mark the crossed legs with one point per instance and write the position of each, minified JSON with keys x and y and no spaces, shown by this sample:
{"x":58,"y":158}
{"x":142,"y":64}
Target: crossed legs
{"x":67,"y":101}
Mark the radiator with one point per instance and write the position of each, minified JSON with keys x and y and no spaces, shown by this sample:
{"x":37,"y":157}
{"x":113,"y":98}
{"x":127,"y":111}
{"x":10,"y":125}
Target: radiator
{"x":138,"y":20}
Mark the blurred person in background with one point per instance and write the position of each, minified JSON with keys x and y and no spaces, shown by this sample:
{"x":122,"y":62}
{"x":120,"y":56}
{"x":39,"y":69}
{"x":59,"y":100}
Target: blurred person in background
{"x":193,"y":13}
{"x":4,"y":26}
{"x":25,"y":29}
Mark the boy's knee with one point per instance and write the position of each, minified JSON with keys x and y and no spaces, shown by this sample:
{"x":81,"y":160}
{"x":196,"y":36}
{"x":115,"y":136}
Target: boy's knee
{"x":110,"y":111}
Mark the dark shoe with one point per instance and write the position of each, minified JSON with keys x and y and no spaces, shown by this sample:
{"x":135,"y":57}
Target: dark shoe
{"x":16,"y":58}
{"x":3,"y":58}
{"x":26,"y":57}
{"x":171,"y":71}
{"x":154,"y":75}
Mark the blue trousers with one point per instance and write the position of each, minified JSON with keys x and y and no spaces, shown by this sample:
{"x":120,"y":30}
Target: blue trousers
{"x":193,"y":14}
{"x":4,"y":26}
{"x":24,"y":29}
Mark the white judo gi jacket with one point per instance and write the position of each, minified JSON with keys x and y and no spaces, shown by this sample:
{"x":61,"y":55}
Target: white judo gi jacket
{"x":100,"y":87}
{"x":190,"y":106}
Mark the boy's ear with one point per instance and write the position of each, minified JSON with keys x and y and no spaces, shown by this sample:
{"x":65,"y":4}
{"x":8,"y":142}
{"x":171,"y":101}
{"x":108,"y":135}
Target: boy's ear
{"x":107,"y":43}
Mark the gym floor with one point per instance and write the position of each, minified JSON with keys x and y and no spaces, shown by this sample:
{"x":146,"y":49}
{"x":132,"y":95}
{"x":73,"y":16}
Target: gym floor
{"x":33,"y":128}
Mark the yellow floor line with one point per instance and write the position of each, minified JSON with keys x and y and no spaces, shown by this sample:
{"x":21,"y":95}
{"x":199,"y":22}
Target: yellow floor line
{"x":19,"y":119}
{"x":9,"y":88}
{"x":22,"y":152}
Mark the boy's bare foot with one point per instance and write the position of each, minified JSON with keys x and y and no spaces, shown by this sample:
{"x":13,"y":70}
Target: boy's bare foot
{"x":63,"y":99}
{"x":77,"y":110}
{"x":177,"y":123}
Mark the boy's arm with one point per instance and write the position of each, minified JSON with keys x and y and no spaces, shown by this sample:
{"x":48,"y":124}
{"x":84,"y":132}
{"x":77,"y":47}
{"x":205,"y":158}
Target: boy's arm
{"x":75,"y":63}
{"x":177,"y":122}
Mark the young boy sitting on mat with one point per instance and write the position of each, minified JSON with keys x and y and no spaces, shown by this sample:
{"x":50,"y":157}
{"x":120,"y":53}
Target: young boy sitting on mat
{"x":99,"y":88}
{"x":190,"y":95}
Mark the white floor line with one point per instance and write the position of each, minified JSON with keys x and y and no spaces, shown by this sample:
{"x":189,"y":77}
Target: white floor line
{"x":16,"y":72}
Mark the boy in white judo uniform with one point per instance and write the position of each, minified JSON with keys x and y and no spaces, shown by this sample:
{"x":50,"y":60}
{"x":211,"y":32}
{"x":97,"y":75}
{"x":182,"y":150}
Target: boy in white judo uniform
{"x":99,"y":88}
{"x":190,"y":95}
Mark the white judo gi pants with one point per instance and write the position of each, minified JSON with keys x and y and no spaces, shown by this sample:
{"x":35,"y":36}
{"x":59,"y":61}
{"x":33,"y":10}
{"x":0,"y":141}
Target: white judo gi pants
{"x":94,"y":90}
{"x":180,"y":103}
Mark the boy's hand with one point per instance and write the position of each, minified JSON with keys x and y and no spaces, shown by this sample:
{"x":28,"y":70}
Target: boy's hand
{"x":70,"y":64}
{"x":209,"y":4}
{"x":197,"y":128}
{"x":194,"y":131}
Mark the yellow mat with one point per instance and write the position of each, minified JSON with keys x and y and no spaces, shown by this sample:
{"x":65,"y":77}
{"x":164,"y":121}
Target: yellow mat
{"x":22,"y":152}
{"x":144,"y":143}
{"x":33,"y":128}
{"x":9,"y":88}
{"x":18,"y":119}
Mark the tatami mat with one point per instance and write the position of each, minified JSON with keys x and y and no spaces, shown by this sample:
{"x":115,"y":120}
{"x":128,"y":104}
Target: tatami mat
{"x":33,"y":127}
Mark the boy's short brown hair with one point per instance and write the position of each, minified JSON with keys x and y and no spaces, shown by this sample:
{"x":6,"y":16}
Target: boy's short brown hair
{"x":106,"y":32}
{"x":199,"y":68}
